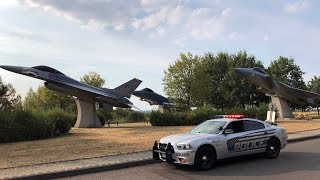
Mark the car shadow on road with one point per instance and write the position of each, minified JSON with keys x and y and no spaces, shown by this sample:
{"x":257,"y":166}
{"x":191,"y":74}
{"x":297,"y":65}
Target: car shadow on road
{"x":257,"y":165}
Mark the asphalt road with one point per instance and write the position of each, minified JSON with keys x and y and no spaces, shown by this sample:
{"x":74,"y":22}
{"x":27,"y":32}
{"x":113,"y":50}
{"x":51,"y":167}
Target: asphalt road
{"x":297,"y":161}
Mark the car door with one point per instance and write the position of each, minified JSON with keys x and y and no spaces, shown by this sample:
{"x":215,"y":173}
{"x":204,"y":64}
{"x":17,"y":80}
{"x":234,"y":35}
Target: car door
{"x":233,"y":146}
{"x":257,"y":135}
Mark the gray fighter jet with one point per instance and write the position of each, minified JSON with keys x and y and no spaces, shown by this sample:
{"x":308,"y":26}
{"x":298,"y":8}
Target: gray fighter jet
{"x":152,"y":98}
{"x":270,"y":86}
{"x":57,"y":81}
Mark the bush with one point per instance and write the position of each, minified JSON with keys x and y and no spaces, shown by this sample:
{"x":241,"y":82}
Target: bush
{"x":135,"y":116}
{"x":103,"y":115}
{"x":22,"y":125}
{"x":204,"y":113}
{"x":180,"y":118}
{"x":128,"y":115}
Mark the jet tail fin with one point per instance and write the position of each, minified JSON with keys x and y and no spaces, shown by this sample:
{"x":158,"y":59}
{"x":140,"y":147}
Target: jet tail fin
{"x":128,"y":88}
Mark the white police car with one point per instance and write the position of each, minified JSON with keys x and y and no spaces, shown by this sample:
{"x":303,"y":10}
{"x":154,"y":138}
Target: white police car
{"x":230,"y":136}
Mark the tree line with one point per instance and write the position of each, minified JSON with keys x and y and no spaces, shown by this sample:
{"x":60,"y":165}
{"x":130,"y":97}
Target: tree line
{"x":210,"y":79}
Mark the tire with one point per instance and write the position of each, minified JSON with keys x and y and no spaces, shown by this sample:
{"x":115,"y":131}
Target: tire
{"x":273,"y":148}
{"x":205,"y":158}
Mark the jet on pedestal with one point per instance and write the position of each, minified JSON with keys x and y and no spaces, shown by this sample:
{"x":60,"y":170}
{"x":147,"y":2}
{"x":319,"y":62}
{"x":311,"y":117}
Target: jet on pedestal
{"x":152,"y":98}
{"x":270,"y":86}
{"x":57,"y":81}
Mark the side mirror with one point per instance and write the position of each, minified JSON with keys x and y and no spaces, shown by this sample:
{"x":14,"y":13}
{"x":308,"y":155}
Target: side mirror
{"x":228,"y":131}
{"x":220,"y":128}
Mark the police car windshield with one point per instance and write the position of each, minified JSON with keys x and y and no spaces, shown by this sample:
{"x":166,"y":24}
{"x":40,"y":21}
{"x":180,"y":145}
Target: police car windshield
{"x":209,"y":127}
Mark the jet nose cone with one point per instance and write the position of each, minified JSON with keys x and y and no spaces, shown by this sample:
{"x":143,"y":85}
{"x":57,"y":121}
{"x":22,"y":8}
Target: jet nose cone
{"x":15,"y":69}
{"x":243,"y":72}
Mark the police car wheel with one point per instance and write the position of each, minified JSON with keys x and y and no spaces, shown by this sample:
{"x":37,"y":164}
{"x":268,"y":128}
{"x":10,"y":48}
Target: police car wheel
{"x":205,"y":158}
{"x":273,"y":149}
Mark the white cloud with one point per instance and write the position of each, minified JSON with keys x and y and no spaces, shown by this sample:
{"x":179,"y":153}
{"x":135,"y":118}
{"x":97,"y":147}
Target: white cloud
{"x":157,"y":18}
{"x":235,"y":36}
{"x":8,"y":3}
{"x":99,"y":14}
{"x":152,"y":5}
{"x":226,"y":12}
{"x":204,"y":23}
{"x":199,"y":23}
{"x":180,"y":41}
{"x":119,"y":27}
{"x":4,"y":40}
{"x":297,"y":6}
{"x":159,"y":32}
{"x":164,"y":16}
{"x":94,"y":25}
{"x":11,"y":32}
{"x":32,"y":3}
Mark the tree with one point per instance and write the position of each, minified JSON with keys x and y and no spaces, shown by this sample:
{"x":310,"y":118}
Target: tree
{"x":314,"y":86}
{"x":216,"y":71}
{"x":286,"y":71}
{"x":46,"y":99}
{"x":182,"y":81}
{"x":93,"y":79}
{"x":226,"y":88}
{"x":9,"y":100}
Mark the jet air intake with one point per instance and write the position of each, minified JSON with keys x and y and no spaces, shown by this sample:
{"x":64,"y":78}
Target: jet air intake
{"x":58,"y":88}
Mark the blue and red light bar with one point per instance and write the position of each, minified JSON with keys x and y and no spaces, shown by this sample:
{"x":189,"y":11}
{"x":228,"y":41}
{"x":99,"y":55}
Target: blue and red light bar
{"x":236,"y":116}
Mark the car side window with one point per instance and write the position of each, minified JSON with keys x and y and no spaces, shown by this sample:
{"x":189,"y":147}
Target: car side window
{"x":237,"y":126}
{"x":252,"y":125}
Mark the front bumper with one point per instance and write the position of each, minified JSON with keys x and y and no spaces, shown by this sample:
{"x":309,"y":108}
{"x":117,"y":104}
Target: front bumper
{"x":174,"y":157}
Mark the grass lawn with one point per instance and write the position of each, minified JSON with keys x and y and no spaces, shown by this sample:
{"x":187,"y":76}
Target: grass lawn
{"x":94,"y":142}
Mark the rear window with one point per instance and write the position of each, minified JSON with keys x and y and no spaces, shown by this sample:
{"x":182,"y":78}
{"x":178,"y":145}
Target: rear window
{"x":252,"y":125}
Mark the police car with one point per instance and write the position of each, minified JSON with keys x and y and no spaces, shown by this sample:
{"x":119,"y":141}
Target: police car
{"x":229,"y":136}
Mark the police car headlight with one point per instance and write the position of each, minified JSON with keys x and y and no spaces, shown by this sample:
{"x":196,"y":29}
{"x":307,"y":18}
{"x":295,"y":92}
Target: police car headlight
{"x":184,"y":146}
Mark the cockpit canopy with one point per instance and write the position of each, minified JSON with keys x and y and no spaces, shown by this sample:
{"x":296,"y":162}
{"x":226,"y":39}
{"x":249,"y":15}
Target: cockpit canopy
{"x":147,"y":90}
{"x":260,"y":70}
{"x":47,"y":69}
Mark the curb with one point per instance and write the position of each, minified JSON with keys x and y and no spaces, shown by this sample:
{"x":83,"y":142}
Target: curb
{"x":303,"y":138}
{"x":303,"y":131}
{"x":89,"y":170}
{"x":120,"y":166}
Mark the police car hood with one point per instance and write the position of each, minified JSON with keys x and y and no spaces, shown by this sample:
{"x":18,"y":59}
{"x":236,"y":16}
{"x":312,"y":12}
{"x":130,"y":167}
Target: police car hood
{"x":187,"y":137}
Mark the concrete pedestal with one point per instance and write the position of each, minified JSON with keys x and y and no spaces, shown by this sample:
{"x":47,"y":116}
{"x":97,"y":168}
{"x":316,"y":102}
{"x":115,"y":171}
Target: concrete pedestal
{"x":87,"y":117}
{"x":282,"y":106}
{"x":163,"y":109}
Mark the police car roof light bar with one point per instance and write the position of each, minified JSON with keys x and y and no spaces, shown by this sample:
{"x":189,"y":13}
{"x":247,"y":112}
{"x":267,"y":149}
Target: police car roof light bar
{"x":236,"y":116}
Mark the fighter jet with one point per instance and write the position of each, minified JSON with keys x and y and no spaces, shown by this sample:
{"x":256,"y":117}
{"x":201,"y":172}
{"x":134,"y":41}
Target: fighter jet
{"x":152,"y":98}
{"x":57,"y":81}
{"x":270,"y":86}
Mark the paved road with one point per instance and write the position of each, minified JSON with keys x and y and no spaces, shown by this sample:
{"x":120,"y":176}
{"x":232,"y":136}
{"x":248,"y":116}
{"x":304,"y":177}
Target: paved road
{"x":298,"y":161}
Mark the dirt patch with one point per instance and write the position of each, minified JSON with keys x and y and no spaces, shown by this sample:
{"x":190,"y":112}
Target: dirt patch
{"x":95,"y":142}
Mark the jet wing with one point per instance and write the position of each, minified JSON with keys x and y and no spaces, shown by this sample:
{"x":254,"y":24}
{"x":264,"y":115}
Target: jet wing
{"x":307,"y":97}
{"x":299,"y":92}
{"x":84,"y":88}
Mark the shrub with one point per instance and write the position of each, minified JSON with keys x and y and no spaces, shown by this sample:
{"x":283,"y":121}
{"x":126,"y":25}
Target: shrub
{"x":180,"y":118}
{"x":204,"y":113}
{"x":120,"y":114}
{"x":262,"y":111}
{"x":128,"y":115}
{"x":60,"y":120}
{"x":135,"y":116}
{"x":22,"y":125}
{"x":103,"y":115}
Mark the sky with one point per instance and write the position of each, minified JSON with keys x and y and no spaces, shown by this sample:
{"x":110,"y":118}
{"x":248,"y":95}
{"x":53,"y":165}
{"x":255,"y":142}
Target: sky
{"x":122,"y":39}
